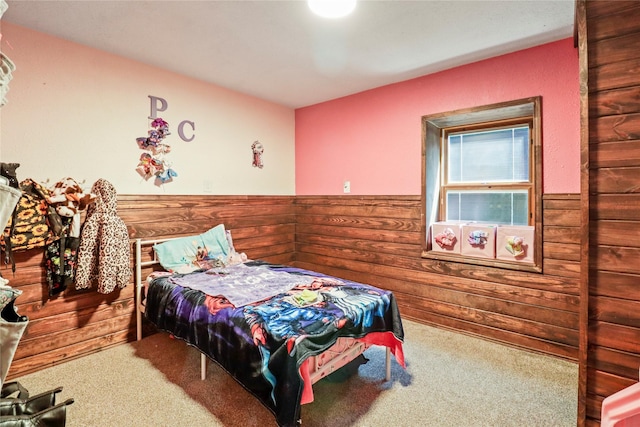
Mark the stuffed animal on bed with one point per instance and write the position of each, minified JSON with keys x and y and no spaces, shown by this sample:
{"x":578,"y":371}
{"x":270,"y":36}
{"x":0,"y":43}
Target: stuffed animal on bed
{"x":236,"y":258}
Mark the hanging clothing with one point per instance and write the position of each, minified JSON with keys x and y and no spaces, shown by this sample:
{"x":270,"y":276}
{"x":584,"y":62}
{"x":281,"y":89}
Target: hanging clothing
{"x":12,"y":326}
{"x":34,"y":222}
{"x":9,"y":197}
{"x":60,"y":260}
{"x":104,"y":254}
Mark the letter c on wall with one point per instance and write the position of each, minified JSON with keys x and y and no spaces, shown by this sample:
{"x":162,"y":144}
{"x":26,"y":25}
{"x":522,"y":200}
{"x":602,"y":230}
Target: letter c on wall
{"x":181,"y":130}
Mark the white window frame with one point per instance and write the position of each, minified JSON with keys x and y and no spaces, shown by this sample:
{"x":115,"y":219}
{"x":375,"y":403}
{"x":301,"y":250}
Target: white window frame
{"x":447,"y":186}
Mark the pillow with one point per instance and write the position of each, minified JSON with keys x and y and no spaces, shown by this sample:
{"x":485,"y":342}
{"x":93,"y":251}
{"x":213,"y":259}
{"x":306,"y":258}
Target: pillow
{"x":230,"y":241}
{"x":187,"y":254}
{"x":234,"y":257}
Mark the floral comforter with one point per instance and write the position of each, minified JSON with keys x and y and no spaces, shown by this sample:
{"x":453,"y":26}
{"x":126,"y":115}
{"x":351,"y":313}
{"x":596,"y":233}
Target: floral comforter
{"x":263,"y":344}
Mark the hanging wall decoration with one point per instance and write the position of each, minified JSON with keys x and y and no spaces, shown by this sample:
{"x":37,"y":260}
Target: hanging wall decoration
{"x":6,"y":69}
{"x":6,"y":65}
{"x":154,"y":162}
{"x":257,"y":149}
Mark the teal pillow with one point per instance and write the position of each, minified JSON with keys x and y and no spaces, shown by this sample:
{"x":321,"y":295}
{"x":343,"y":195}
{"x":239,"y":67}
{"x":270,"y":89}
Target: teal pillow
{"x":186,"y":254}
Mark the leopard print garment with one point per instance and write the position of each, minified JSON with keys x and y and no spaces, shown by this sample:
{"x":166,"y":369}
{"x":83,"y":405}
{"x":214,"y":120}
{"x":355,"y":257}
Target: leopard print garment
{"x":104,"y":255}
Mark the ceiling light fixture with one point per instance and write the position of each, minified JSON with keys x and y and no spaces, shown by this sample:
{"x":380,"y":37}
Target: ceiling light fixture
{"x":332,"y":8}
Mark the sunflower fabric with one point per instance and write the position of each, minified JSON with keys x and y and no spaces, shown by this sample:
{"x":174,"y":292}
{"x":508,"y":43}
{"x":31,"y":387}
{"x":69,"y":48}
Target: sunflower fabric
{"x":35,"y":224}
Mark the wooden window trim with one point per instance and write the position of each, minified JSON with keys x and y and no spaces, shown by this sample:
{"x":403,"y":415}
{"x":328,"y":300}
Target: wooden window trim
{"x":432,"y":131}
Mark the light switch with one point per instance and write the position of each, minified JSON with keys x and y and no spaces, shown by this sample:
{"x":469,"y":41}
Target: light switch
{"x":347,"y":186}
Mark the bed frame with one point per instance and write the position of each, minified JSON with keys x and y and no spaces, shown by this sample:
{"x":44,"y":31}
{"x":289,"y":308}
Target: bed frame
{"x":342,"y":352}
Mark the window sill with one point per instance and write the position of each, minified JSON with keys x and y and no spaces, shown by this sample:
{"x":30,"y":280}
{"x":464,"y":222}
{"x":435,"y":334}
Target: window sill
{"x":488,"y":262}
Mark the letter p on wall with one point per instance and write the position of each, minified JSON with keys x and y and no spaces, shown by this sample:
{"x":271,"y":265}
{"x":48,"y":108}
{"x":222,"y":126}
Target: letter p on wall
{"x":155,"y":107}
{"x":158,"y":104}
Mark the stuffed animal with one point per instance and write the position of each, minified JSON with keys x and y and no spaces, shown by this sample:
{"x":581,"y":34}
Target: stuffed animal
{"x":236,"y":258}
{"x":69,"y":199}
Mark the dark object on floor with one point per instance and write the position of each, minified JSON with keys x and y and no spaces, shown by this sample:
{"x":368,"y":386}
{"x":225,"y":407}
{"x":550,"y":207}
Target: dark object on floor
{"x":13,"y":390}
{"x":30,"y":405}
{"x":53,"y":416}
{"x":347,"y":371}
{"x":23,"y":410}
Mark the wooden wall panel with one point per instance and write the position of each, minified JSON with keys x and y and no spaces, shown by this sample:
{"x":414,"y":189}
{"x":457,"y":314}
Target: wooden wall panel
{"x":378,"y":240}
{"x":78,"y":323}
{"x":370,"y":239}
{"x":601,"y":8}
{"x":613,"y":330}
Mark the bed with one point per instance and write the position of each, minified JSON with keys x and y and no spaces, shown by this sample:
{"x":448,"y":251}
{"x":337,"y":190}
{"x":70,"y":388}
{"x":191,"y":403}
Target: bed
{"x":275,"y":329}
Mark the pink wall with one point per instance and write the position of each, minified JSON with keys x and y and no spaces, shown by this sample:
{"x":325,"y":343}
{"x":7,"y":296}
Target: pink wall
{"x":373,"y":138}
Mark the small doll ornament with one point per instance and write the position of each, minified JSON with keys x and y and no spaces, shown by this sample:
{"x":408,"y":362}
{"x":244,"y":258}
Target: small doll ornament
{"x":257,"y":149}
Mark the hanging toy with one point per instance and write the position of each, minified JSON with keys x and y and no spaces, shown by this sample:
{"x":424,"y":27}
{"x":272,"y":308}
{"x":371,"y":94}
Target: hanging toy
{"x":257,"y":149}
{"x":153,"y":162}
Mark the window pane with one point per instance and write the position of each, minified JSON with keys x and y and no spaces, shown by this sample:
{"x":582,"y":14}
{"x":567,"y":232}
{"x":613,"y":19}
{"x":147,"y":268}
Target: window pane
{"x":455,"y":166}
{"x":496,"y":207}
{"x":521,"y":154}
{"x":493,"y":156}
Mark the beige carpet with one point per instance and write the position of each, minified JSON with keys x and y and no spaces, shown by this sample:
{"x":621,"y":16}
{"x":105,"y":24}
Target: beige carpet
{"x":451,"y":380}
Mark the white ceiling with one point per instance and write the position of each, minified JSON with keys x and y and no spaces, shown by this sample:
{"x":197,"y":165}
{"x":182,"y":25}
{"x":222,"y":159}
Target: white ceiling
{"x":279,"y":51}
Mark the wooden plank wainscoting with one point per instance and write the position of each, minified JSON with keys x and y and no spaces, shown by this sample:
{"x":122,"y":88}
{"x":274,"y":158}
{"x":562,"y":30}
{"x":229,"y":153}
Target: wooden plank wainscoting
{"x":613,"y":144}
{"x":377,"y":240}
{"x":78,"y":323}
{"x":371,"y":239}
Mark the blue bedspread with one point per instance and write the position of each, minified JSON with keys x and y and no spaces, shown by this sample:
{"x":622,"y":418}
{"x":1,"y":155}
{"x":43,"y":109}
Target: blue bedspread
{"x":263,"y":344}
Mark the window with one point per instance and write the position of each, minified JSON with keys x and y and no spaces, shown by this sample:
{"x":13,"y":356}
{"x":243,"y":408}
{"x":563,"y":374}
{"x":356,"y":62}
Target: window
{"x":483,"y":166}
{"x":487,"y":175}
